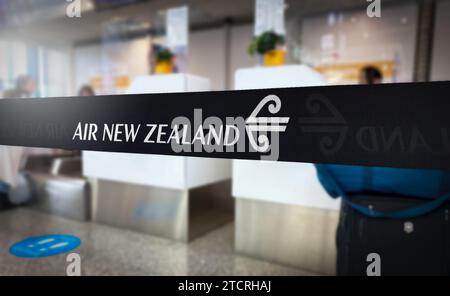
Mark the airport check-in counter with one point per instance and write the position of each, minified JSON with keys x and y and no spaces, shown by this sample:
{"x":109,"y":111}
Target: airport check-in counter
{"x":282,"y":212}
{"x":46,"y":181}
{"x":57,"y":186}
{"x":170,"y":196}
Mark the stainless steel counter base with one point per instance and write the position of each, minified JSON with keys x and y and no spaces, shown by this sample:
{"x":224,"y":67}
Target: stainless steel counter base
{"x":180,"y":215}
{"x":68,"y":197}
{"x":287,"y":234}
{"x":54,"y":185}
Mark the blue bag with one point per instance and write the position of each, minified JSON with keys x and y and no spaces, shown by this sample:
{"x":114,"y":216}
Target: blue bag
{"x":433,"y":185}
{"x":4,"y":187}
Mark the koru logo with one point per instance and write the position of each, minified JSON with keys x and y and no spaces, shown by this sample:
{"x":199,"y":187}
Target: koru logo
{"x":74,"y":266}
{"x":374,"y":8}
{"x":374,"y":268}
{"x":325,"y":119}
{"x":73,"y":9}
{"x":328,"y":127}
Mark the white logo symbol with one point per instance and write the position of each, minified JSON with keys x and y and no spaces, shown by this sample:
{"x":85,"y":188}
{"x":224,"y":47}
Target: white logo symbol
{"x":73,"y":8}
{"x":374,"y":8}
{"x":256,"y":124}
{"x":374,"y":268}
{"x":74,"y":267}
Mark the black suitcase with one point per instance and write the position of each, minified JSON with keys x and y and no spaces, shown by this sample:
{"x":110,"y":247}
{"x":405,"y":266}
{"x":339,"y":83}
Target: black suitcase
{"x":415,"y":246}
{"x":4,"y":201}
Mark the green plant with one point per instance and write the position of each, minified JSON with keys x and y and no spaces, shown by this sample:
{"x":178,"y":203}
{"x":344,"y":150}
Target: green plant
{"x":164,"y":55}
{"x":265,"y":42}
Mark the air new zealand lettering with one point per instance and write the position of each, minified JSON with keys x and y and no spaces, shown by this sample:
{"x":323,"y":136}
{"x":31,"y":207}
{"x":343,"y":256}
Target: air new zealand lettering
{"x":201,"y":135}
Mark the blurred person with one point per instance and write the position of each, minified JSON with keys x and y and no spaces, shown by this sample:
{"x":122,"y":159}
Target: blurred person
{"x":25,"y":88}
{"x":370,"y":75}
{"x":342,"y":180}
{"x":86,"y":91}
{"x":12,"y":158}
{"x":11,"y":163}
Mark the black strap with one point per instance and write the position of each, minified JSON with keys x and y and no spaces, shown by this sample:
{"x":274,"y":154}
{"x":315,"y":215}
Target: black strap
{"x":395,"y":125}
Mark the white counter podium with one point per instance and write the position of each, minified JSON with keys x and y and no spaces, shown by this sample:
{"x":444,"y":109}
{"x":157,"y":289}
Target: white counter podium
{"x":282,"y":205}
{"x":172,"y":196}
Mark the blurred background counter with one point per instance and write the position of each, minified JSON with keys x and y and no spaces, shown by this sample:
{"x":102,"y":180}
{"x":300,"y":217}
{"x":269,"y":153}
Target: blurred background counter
{"x":290,"y":217}
{"x":170,"y":196}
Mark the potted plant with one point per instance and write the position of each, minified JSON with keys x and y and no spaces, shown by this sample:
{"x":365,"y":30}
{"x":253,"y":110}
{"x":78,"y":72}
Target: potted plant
{"x":164,"y":61}
{"x":269,"y":45}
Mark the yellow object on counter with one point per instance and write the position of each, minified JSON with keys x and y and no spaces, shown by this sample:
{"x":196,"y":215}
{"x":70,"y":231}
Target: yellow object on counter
{"x":275,"y":57}
{"x":165,"y":67}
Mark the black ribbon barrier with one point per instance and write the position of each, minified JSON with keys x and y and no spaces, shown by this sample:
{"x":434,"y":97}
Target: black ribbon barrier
{"x":396,"y":125}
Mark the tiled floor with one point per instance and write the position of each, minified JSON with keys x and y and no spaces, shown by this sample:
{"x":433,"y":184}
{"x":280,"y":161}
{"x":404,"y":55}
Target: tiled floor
{"x":110,"y":251}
